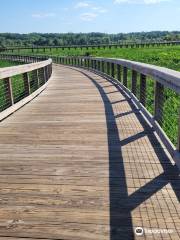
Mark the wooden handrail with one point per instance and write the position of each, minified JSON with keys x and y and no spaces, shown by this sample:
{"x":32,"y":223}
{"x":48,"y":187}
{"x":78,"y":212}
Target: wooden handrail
{"x":20,"y":84}
{"x":167,"y":77}
{"x":16,"y":70}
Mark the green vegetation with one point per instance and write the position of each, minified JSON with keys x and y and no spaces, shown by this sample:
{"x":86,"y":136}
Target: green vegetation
{"x":4,"y":63}
{"x":167,"y":56}
{"x":59,"y":39}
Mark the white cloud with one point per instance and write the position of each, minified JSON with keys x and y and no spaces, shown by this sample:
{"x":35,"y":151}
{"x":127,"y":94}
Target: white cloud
{"x":91,"y":6}
{"x":82,"y":5}
{"x":140,"y":1}
{"x":43,"y":15}
{"x":88,"y":16}
{"x":100,"y":9}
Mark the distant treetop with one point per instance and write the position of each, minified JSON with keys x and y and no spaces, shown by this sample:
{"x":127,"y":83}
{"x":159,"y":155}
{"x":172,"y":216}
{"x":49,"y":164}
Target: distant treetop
{"x":61,"y":39}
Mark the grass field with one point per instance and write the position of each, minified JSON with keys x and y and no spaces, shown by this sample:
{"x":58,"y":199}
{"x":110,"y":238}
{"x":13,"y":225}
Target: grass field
{"x":168,"y":56}
{"x":161,"y":56}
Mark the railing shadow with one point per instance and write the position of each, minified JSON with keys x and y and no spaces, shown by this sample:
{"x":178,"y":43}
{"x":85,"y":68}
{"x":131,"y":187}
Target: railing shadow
{"x":120,"y":217}
{"x":121,"y":204}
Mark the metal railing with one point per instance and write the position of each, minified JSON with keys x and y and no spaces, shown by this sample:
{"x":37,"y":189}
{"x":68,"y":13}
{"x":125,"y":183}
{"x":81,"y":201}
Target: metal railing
{"x":154,"y":90}
{"x":19,"y":84}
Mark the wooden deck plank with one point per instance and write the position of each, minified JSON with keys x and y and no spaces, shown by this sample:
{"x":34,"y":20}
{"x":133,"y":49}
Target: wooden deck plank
{"x":80,"y":162}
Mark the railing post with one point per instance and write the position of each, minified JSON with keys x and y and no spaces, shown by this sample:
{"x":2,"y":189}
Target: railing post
{"x":125,"y":76}
{"x":95,"y":63}
{"x":112,"y":70}
{"x":143,"y":89}
{"x":159,"y":102}
{"x":91,"y":63}
{"x":46,"y":73}
{"x":37,"y":75}
{"x":9,"y":92}
{"x":134,"y":82}
{"x":119,"y":73}
{"x":99,"y":66}
{"x":102,"y":65}
{"x":108,"y":68}
{"x":26,"y":83}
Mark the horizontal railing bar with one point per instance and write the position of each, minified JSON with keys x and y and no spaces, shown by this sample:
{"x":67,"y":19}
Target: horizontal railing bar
{"x":167,"y":77}
{"x":20,"y":69}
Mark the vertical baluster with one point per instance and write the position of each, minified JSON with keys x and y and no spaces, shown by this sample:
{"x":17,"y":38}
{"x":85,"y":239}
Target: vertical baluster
{"x":95,"y":64}
{"x":46,"y":73}
{"x":134,"y":82}
{"x":143,"y":89}
{"x":37,"y":76}
{"x":102,"y":65}
{"x":125,"y":76}
{"x":108,"y":68}
{"x":99,"y":66}
{"x":26,"y":84}
{"x":119,"y":73}
{"x":112,"y":70}
{"x":9,"y":91}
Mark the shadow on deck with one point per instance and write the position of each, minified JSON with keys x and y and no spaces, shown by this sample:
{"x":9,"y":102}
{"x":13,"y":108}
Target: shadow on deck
{"x":121,"y":202}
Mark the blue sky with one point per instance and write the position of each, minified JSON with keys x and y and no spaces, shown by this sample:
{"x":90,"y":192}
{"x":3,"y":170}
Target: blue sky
{"x":111,"y":16}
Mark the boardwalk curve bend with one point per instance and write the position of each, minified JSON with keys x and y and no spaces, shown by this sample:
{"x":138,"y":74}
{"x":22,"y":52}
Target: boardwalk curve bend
{"x":81,"y":161}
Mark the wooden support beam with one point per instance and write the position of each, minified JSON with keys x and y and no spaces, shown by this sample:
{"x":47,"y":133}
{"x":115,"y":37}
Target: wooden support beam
{"x":9,"y":91}
{"x":125,"y":76}
{"x":143,"y":89}
{"x":27,"y":83}
{"x":108,"y":68}
{"x":159,"y":102}
{"x":134,"y":82}
{"x":118,"y":72}
{"x":112,"y":70}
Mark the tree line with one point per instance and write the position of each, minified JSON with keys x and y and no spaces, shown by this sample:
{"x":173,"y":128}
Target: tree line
{"x":61,"y":39}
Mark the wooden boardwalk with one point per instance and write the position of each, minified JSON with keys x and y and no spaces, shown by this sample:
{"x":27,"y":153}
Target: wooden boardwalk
{"x":80,"y":162}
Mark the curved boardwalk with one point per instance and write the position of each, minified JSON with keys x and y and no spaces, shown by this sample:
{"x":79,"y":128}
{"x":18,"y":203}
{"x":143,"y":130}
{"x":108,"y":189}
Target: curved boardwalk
{"x":79,"y":162}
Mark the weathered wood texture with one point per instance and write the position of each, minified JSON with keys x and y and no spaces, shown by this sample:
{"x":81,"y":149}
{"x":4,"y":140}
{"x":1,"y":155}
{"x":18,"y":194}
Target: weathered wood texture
{"x":80,"y":162}
{"x":16,"y":70}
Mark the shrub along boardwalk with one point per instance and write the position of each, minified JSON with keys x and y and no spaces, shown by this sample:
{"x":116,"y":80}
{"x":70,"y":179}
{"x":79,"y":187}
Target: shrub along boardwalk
{"x":80,"y":162}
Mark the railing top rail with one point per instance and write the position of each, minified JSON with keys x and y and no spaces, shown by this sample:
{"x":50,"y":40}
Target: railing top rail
{"x":20,"y":69}
{"x":167,"y":77}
